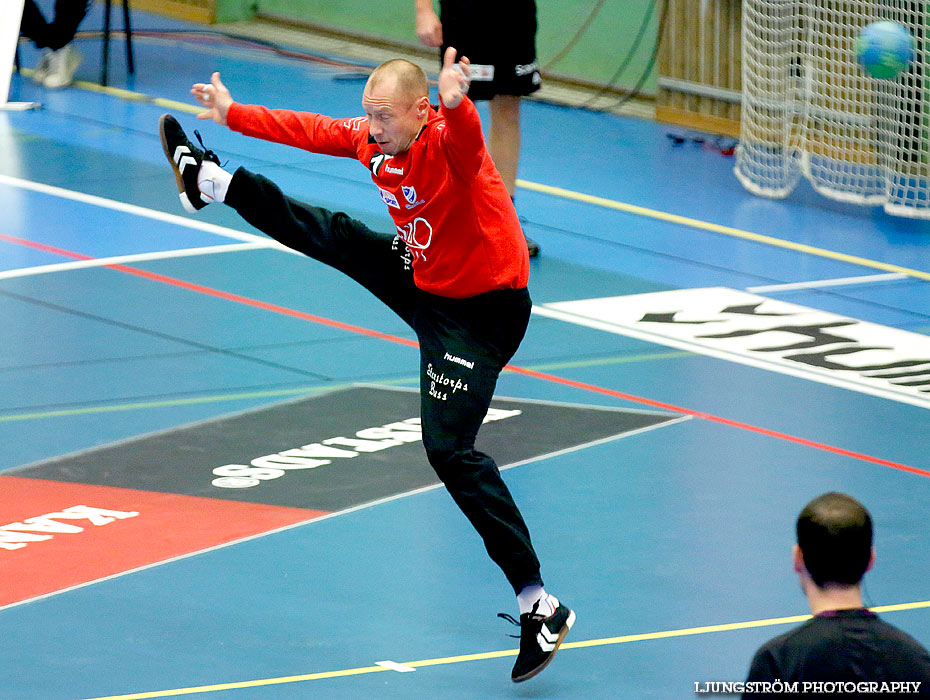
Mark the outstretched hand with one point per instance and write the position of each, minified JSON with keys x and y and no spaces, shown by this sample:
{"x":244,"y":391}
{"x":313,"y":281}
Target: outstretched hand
{"x":453,"y":79}
{"x":215,"y":97}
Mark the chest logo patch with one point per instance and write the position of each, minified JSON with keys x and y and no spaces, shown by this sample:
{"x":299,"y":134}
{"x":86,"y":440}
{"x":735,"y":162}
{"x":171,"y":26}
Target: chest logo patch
{"x":388,"y":198}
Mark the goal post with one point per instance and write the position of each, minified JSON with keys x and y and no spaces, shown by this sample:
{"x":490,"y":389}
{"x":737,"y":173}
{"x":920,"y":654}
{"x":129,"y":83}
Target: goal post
{"x":809,"y":110}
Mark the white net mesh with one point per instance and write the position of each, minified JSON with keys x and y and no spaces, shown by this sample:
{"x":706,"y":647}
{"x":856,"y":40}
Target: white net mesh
{"x":808,"y":107}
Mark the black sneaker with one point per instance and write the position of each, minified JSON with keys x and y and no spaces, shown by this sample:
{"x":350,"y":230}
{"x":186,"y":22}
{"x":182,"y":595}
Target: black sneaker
{"x":540,"y":638}
{"x":533,"y":247}
{"x":185,"y":159}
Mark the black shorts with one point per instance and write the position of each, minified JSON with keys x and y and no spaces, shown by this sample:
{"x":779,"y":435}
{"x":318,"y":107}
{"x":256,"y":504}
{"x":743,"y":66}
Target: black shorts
{"x":499,"y":39}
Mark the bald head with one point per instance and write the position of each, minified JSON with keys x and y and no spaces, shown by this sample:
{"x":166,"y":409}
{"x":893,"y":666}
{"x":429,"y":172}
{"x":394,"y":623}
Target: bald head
{"x":396,"y":102}
{"x":404,"y":79}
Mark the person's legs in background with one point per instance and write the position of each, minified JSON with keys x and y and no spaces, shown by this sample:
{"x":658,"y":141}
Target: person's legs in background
{"x":60,"y":60}
{"x":504,"y":145}
{"x":504,"y":137}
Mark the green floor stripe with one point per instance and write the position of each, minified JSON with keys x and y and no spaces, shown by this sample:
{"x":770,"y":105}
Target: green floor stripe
{"x":168,"y":403}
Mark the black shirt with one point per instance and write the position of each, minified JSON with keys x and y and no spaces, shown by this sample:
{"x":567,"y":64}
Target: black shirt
{"x":842,"y":645}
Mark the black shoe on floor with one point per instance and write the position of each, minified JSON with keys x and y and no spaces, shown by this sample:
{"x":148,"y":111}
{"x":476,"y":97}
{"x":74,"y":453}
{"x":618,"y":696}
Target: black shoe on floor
{"x":185,"y":159}
{"x":532,"y":247}
{"x":540,"y":638}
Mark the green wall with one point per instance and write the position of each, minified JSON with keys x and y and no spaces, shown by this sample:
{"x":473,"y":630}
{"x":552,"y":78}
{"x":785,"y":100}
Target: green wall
{"x":596,"y":57}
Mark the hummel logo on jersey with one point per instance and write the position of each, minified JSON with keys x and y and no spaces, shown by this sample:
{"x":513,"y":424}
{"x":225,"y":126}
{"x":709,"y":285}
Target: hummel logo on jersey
{"x":377,"y":160}
{"x":354,"y":124}
{"x":183,"y":160}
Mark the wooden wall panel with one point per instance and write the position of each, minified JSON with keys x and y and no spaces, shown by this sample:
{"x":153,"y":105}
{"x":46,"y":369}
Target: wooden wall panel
{"x":699,"y":65}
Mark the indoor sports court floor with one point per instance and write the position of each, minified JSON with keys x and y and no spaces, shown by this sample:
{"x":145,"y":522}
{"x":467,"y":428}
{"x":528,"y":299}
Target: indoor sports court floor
{"x":701,"y":363}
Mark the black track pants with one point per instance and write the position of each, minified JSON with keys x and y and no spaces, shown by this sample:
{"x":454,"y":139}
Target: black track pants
{"x":464,"y":345}
{"x":60,"y":31}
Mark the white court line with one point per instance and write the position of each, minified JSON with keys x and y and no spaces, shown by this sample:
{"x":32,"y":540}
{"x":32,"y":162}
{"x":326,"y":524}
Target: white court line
{"x":775,"y":364}
{"x":140,"y":211}
{"x":839,"y":282}
{"x":138,"y":257}
{"x":328,"y":516}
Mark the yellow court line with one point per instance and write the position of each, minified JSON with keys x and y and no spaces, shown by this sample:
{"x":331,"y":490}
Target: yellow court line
{"x":129,"y":95}
{"x":728,"y":627}
{"x":139,"y":97}
{"x":495,"y":654}
{"x":717,"y":228}
{"x":245,"y":684}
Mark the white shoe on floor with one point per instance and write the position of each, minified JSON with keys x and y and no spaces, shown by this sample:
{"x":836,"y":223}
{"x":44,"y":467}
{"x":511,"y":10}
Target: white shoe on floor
{"x":61,"y":67}
{"x":40,"y":72}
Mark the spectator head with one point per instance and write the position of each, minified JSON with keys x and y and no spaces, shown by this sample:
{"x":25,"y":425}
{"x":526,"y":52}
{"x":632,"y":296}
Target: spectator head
{"x":834,"y":540}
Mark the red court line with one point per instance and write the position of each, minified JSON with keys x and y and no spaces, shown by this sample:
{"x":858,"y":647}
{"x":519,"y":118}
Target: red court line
{"x":518,"y":370}
{"x":248,"y":301}
{"x":209,"y":291}
{"x":45,"y":248}
{"x":717,"y":419}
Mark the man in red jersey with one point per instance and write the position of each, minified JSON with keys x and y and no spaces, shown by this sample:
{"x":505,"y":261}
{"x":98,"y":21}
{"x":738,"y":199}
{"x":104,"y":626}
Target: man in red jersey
{"x":455,"y":271}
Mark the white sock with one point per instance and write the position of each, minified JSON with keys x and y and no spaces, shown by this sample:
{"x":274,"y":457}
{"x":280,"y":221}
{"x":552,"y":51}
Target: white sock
{"x":213,"y":182}
{"x":530,"y":595}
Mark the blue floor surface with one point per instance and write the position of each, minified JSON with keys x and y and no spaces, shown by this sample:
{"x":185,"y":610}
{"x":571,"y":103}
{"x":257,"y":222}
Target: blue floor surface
{"x":690,"y":526}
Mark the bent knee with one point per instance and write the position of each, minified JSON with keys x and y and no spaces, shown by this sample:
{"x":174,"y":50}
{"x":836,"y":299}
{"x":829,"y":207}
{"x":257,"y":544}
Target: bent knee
{"x":440,"y":459}
{"x":454,"y":465}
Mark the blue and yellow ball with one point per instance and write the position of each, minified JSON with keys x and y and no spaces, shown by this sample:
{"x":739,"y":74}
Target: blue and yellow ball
{"x":884,"y":49}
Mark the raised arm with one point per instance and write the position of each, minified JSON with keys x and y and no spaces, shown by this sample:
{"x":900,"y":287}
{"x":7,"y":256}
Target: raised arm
{"x":305,"y":130}
{"x":462,"y":139}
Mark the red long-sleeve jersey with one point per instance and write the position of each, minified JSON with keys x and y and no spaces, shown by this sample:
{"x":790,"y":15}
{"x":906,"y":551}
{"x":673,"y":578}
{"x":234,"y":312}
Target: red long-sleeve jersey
{"x":446,"y":198}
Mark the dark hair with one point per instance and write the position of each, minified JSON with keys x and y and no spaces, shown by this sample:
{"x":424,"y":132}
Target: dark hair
{"x":835,"y":537}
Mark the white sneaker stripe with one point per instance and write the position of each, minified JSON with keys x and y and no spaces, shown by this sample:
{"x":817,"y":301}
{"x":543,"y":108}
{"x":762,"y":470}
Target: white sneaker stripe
{"x":544,"y":643}
{"x":185,"y":161}
{"x":548,"y":635}
{"x":182,"y":157}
